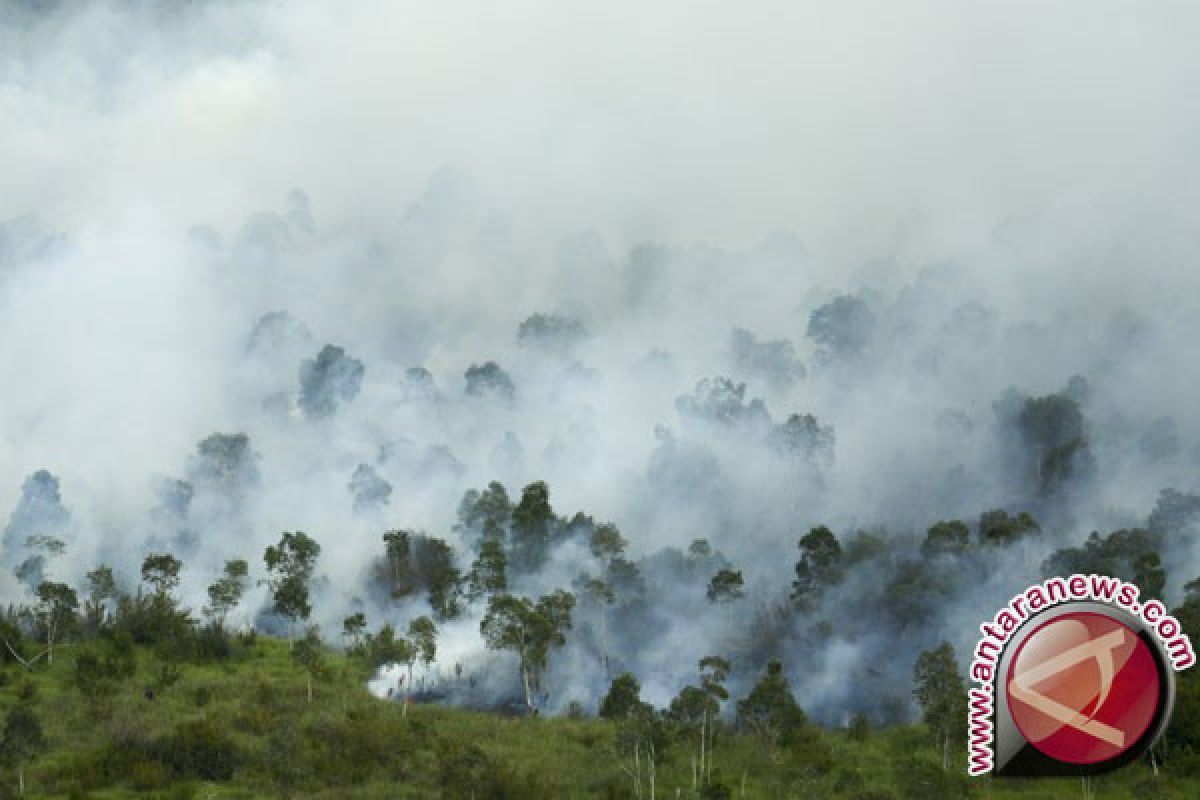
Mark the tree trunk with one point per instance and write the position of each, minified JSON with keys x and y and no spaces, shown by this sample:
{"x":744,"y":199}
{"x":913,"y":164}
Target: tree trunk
{"x":528,"y":689}
{"x":703,"y":728}
{"x":650,"y":768}
{"x":604,"y":636}
{"x":20,"y":780}
{"x":308,"y":678}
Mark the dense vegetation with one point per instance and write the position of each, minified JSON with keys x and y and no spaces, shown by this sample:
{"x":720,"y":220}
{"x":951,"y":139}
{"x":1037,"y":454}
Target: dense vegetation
{"x":130,"y":694}
{"x":240,"y":724}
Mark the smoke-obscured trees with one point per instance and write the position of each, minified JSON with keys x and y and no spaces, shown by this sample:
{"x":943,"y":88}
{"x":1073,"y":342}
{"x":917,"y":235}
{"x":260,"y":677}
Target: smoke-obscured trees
{"x":842,"y":328}
{"x":770,"y":709}
{"x":531,"y":630}
{"x":370,"y":491}
{"x":290,"y":565}
{"x":39,"y":513}
{"x":327,"y":381}
{"x":942,"y":696}
{"x":551,"y":333}
{"x":818,"y":569}
{"x":488,"y":380}
{"x":726,"y":588}
{"x":773,"y":361}
{"x":226,"y":592}
{"x":414,"y":562}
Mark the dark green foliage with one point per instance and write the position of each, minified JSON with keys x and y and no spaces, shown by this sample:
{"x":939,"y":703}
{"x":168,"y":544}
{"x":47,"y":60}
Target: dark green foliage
{"x":530,"y":630}
{"x":942,"y":696}
{"x":225,"y":594}
{"x":726,"y":586}
{"x":623,"y":699}
{"x":912,"y":595}
{"x":290,"y":566}
{"x":161,"y":571}
{"x":950,"y":537}
{"x":1131,"y":555}
{"x":485,"y":515}
{"x":21,"y":737}
{"x":1052,"y":432}
{"x":770,"y":709}
{"x":489,"y":572}
{"x":998,"y":528}
{"x":819,"y":567}
{"x":414,"y":562}
{"x":533,"y":524}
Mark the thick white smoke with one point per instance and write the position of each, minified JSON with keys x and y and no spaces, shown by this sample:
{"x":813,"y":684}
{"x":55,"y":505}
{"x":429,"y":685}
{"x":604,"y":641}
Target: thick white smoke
{"x":1008,"y":191}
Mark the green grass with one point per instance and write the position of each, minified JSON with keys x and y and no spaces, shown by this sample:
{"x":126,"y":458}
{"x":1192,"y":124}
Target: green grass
{"x":347,"y":744}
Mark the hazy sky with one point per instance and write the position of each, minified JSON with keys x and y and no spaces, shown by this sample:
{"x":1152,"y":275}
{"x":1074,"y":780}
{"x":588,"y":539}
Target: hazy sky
{"x":865,"y":126}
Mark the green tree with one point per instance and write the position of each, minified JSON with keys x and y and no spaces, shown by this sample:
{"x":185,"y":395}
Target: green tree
{"x":57,"y":613}
{"x":942,"y":696}
{"x":485,"y":515}
{"x":819,"y":567}
{"x":161,"y":571}
{"x":532,"y":527}
{"x":423,"y":633}
{"x":309,"y":653}
{"x":21,"y":740}
{"x":101,"y":592}
{"x":398,"y":549}
{"x":770,"y":710}
{"x":726,"y":588}
{"x":946,"y":538}
{"x":290,"y":566}
{"x":489,"y":572}
{"x":225,"y":594}
{"x":353,"y":628}
{"x":623,"y":698}
{"x":530,"y":630}
{"x":997,"y":528}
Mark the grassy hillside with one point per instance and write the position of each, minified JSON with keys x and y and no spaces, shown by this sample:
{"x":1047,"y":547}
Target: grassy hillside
{"x":245,"y":728}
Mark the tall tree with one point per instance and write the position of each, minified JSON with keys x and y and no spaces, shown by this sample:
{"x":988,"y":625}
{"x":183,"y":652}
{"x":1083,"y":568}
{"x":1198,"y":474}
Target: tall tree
{"x":290,"y":566}
{"x":161,"y":571}
{"x":423,"y":633}
{"x":532,"y":526}
{"x":225,"y":594}
{"x":101,"y":591}
{"x":489,"y":571}
{"x":819,"y":567}
{"x":942,"y":696}
{"x":770,"y":709}
{"x":530,"y":630}
{"x":949,"y":537}
{"x":21,"y":740}
{"x":353,"y":628}
{"x":57,"y":613}
{"x":309,"y":653}
{"x":726,"y":587}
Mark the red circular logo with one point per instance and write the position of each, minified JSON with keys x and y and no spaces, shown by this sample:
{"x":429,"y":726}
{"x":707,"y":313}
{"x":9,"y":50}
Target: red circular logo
{"x":1083,"y":688}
